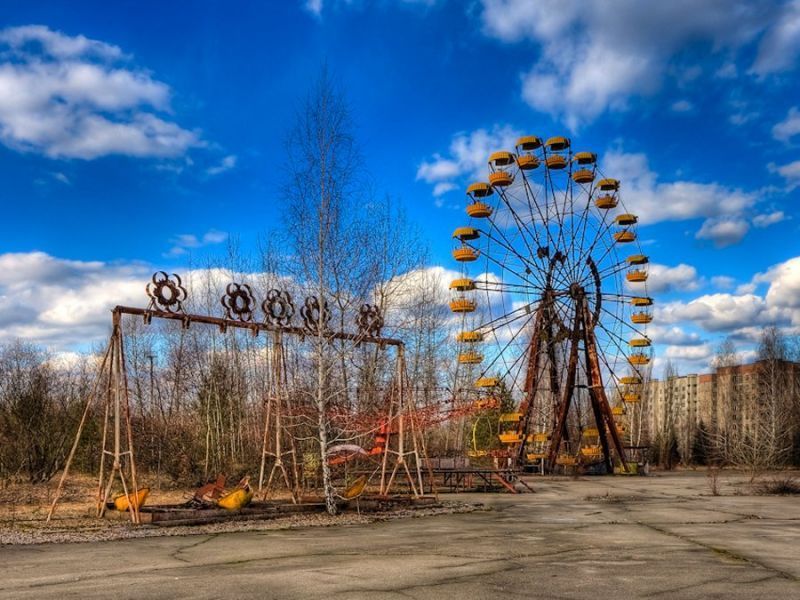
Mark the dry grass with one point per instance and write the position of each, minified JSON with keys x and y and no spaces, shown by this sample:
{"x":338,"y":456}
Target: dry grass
{"x":24,"y":507}
{"x":778,"y":486}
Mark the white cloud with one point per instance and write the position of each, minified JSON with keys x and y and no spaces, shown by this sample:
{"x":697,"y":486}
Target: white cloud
{"x":789,"y":127}
{"x":681,"y":106}
{"x":184,"y":242}
{"x":735,"y":313}
{"x":57,"y":44}
{"x":727,"y":71}
{"x":663,"y":279}
{"x":72,"y":97}
{"x":746,"y":288}
{"x":314,"y":7}
{"x":784,"y":285}
{"x":656,"y":201}
{"x":443,"y":187}
{"x":714,"y":312}
{"x":723,"y":282}
{"x":65,"y":304}
{"x":438,"y":169}
{"x":781,"y":45}
{"x":674,"y":336}
{"x":723,"y":207}
{"x":592,"y":59}
{"x":767,"y":219}
{"x":701,"y":353}
{"x":59,"y":302}
{"x":467,"y":156}
{"x":724,"y":231}
{"x":790,"y":172}
{"x":226,"y":164}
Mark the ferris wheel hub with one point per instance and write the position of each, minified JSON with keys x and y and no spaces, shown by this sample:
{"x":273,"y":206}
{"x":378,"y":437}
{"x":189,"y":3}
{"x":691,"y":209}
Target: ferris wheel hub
{"x":576,"y":291}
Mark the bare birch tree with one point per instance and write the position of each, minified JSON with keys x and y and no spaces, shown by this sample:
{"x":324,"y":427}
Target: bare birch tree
{"x":322,"y":163}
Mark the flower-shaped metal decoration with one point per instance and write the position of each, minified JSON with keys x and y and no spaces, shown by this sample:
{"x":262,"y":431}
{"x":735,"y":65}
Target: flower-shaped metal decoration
{"x":369,"y":321}
{"x":166,"y":293}
{"x":278,"y":308}
{"x":238,"y":302}
{"x":314,"y":315}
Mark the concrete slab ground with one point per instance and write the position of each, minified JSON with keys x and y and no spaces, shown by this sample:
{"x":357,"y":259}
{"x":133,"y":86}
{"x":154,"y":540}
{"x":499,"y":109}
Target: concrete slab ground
{"x":657,"y":537}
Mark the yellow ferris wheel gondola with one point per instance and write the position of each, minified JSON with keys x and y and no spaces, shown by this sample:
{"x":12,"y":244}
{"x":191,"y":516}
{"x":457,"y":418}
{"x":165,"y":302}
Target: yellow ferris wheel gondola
{"x":555,"y":162}
{"x":625,"y":236}
{"x":583,"y":176}
{"x":606,"y":202}
{"x":479,"y":190}
{"x":528,"y":143}
{"x":487,"y":382}
{"x":463,"y":305}
{"x":526,"y":159}
{"x":608,"y":185}
{"x":466,"y":234}
{"x":641,"y":351}
{"x":465,"y":254}
{"x":501,"y":179}
{"x":469,"y":337}
{"x":637,"y":268}
{"x":471,"y":357}
{"x":557,"y":143}
{"x":585,"y":158}
{"x":643,"y":310}
{"x":479,"y":210}
{"x":477,"y":206}
{"x":463,"y":284}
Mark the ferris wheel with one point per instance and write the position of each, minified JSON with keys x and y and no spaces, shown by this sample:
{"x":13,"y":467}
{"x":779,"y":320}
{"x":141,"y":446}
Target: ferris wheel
{"x":553,"y":304}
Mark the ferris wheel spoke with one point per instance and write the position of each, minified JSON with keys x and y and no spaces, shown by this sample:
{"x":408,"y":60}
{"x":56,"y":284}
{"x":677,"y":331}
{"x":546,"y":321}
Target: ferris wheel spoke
{"x":510,"y":248}
{"x":530,"y":195}
{"x":610,"y":248}
{"x":625,"y":323}
{"x":579,"y":259}
{"x":508,"y":200}
{"x":570,"y":192}
{"x":614,"y":337}
{"x":615,"y":297}
{"x":498,"y":322}
{"x":503,"y":266}
{"x":611,"y":270}
{"x":600,"y":235}
{"x":610,"y":369}
{"x":508,"y":344}
{"x":523,"y":228}
{"x":504,"y":286}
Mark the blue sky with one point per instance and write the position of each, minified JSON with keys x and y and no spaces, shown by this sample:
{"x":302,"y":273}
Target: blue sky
{"x":136,"y":135}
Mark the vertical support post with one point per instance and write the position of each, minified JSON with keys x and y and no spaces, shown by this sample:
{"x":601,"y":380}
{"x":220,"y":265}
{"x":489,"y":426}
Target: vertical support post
{"x":596,"y":381}
{"x":531,"y":381}
{"x":89,"y":401}
{"x":275,"y":421}
{"x":563,"y":411}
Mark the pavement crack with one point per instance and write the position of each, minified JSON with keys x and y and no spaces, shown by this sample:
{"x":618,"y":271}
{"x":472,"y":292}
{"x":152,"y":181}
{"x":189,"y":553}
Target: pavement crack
{"x":722,"y":552}
{"x":182,"y":549}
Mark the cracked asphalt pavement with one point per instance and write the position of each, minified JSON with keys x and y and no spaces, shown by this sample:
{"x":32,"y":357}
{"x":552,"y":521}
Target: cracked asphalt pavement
{"x":656,"y":537}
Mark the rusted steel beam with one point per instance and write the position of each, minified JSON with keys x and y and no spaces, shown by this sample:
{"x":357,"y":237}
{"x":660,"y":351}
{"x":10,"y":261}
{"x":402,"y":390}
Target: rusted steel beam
{"x":596,"y":380}
{"x":252,"y":326}
{"x":531,"y":382}
{"x":569,"y":389}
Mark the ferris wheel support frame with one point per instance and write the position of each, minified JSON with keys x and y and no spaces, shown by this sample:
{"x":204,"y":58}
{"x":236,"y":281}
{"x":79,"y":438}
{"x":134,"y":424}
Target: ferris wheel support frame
{"x":582,"y":331}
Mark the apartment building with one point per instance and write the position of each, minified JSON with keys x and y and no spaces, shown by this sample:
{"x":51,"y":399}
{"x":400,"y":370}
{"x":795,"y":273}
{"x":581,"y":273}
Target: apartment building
{"x":713,"y":400}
